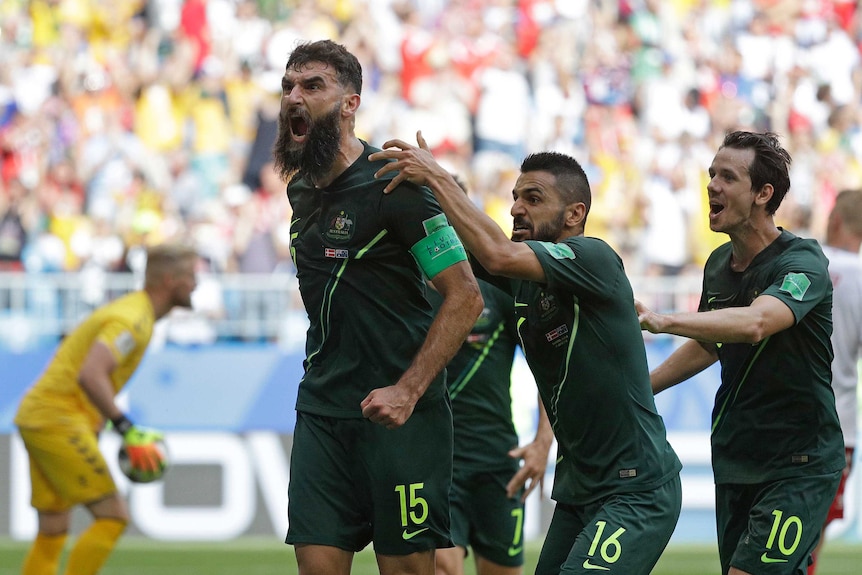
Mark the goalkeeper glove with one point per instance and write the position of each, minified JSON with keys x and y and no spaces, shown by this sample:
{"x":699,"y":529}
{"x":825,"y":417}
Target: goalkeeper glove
{"x":145,"y":457}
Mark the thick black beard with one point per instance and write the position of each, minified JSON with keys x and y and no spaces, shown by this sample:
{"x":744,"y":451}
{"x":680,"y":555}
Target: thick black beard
{"x":315,"y":157}
{"x":549,"y":231}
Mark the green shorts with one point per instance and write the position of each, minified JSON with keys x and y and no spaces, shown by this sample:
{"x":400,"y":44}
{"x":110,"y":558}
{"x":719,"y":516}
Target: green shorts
{"x":772,"y":528}
{"x":353,"y":482}
{"x":484,"y":519}
{"x":623,"y":534}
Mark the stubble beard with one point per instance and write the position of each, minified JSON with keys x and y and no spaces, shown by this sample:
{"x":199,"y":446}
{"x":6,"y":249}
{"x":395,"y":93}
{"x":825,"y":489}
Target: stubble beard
{"x":548,"y":231}
{"x":313,"y":158}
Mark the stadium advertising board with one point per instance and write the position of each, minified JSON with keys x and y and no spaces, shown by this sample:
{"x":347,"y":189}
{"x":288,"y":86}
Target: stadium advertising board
{"x":228,"y":412}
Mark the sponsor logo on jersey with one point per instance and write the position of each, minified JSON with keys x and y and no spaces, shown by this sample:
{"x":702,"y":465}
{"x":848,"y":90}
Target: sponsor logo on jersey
{"x":335,"y":253}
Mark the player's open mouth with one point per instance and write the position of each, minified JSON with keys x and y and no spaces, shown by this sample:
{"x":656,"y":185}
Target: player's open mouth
{"x":715,"y":208}
{"x":298,"y":124}
{"x":521,"y":228}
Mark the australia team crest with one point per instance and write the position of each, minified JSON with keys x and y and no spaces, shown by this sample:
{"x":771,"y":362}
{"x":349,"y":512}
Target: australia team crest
{"x":341,"y":226}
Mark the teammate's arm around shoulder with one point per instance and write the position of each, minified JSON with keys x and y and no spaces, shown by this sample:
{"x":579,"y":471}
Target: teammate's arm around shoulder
{"x":462,"y":303}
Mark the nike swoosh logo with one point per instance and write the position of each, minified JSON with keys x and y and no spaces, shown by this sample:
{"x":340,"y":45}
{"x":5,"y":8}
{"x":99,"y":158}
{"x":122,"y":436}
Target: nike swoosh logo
{"x":515,"y":550}
{"x":588,"y":565}
{"x":767,"y":559}
{"x":407,"y":535}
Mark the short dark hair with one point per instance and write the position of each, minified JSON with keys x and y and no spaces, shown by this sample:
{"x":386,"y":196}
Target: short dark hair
{"x":770,"y":164}
{"x":348,"y":70}
{"x":571,"y":179}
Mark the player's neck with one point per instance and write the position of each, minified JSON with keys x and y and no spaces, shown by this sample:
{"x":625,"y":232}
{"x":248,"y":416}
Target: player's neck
{"x":349,"y":151}
{"x":749,"y":243}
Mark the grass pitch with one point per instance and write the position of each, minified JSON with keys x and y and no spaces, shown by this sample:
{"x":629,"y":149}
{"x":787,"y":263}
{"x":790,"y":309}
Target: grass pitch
{"x":264,"y":556}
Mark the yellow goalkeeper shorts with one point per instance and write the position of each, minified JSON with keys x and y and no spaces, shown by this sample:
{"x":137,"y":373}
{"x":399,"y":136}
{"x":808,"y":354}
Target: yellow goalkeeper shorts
{"x":66,"y":468}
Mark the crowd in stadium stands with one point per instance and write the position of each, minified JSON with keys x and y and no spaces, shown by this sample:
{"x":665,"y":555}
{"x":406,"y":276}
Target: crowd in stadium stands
{"x":123,"y":124}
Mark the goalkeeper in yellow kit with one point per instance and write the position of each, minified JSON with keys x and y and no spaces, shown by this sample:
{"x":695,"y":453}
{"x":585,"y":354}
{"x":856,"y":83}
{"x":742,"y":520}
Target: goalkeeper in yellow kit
{"x":62,"y":413}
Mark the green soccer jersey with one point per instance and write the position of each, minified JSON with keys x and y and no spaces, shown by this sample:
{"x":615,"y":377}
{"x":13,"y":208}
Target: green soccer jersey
{"x":362,"y":289}
{"x":774,"y":414}
{"x":582,"y":340}
{"x":479,"y":385}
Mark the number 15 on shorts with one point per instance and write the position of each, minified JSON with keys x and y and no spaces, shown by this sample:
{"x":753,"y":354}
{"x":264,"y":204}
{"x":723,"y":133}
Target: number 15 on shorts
{"x":414,"y":509}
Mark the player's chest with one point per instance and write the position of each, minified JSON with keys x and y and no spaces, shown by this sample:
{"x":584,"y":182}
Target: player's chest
{"x":546,"y":320}
{"x":337,"y":231}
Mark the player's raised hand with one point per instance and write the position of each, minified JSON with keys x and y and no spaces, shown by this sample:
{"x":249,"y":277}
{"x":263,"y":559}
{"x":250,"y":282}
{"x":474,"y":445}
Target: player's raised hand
{"x":414,"y":164}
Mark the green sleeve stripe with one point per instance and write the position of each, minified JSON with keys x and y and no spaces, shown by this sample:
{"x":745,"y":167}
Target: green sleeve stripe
{"x":438,"y":251}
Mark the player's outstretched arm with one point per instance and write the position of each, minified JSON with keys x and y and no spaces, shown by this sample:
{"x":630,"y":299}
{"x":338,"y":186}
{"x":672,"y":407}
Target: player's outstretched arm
{"x":392,"y":406}
{"x":688,"y":360}
{"x":481,"y":235}
{"x":765,"y":316}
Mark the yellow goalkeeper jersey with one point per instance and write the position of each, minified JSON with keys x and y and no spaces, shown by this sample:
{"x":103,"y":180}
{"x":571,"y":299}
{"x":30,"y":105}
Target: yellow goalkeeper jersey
{"x":125,"y":325}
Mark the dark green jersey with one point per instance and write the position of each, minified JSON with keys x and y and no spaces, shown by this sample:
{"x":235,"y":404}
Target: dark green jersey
{"x":362,"y":289}
{"x":479,"y":385}
{"x":774,"y":414}
{"x":582,"y":340}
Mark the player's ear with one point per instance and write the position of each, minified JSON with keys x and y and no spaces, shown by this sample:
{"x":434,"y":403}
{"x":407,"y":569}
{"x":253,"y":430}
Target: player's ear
{"x":349,"y":104}
{"x":764,"y":194}
{"x":576,"y":214}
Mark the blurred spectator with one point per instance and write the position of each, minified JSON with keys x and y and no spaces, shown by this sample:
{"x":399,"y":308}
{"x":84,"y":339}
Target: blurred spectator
{"x":121,"y":122}
{"x":15,"y":222}
{"x":261,"y":232}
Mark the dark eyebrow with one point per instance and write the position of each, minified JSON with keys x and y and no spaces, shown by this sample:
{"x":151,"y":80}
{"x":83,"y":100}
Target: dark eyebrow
{"x":530,"y":190}
{"x":303,"y":81}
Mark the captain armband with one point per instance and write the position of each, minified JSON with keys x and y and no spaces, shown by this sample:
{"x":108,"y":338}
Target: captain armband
{"x":438,"y":251}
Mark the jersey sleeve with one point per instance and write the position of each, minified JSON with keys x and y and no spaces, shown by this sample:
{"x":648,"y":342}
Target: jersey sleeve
{"x":417,"y":221}
{"x":587,"y":267}
{"x":801,"y":279}
{"x":120,"y":338}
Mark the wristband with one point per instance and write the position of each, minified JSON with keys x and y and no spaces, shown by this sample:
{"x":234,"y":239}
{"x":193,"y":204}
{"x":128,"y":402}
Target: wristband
{"x":122,"y":424}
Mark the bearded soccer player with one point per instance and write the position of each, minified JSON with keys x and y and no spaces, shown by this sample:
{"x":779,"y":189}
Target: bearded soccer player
{"x":766,"y":315}
{"x":60,"y":417}
{"x":616,"y":483}
{"x":372,"y":449}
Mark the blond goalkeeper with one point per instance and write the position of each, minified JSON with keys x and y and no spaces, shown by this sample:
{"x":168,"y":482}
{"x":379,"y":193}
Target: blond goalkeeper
{"x":61,"y":415}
